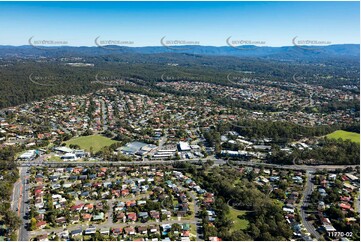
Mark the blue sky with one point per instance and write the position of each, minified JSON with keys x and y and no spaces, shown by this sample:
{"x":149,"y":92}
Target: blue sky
{"x":209,"y":23}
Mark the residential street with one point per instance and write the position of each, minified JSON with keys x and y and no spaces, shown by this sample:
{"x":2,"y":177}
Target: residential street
{"x":109,"y":222}
{"x":20,"y":193}
{"x":198,"y":221}
{"x":107,"y":225}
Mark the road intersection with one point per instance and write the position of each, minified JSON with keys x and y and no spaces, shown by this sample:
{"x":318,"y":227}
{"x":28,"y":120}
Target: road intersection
{"x":21,"y":190}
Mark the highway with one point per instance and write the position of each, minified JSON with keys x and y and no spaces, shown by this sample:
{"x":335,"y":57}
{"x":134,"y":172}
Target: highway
{"x":306,"y":193}
{"x":39,"y":162}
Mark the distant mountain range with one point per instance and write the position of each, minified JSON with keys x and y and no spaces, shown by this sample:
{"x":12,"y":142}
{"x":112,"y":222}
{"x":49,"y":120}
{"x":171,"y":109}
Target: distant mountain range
{"x":276,"y":53}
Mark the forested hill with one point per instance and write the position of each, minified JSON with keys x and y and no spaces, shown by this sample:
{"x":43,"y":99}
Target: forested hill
{"x":53,"y":72}
{"x":286,"y":53}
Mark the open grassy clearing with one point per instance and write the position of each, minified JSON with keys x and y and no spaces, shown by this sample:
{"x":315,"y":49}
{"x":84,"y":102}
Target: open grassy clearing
{"x":354,"y":137}
{"x":238,"y":224}
{"x":96,"y":141}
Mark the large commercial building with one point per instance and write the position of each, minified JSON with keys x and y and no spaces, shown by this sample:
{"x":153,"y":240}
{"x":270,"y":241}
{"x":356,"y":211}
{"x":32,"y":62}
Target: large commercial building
{"x":184,"y":146}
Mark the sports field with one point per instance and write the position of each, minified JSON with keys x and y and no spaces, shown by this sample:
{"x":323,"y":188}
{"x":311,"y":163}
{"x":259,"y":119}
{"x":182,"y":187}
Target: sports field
{"x":354,"y":137}
{"x":96,"y":141}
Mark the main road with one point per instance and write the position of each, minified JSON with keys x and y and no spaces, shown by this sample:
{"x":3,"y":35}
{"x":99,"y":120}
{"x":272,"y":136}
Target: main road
{"x":40,"y":162}
{"x":306,"y":193}
{"x":20,"y":203}
{"x":20,"y":194}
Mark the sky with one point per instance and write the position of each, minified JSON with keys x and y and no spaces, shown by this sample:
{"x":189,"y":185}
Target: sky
{"x":204,"y":23}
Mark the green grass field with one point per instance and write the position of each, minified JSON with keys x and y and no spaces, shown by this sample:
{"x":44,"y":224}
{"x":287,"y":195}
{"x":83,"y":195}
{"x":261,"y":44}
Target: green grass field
{"x":238,"y":224}
{"x":95,"y":141}
{"x":354,"y":137}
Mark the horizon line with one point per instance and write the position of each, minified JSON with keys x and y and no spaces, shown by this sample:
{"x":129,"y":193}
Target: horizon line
{"x":145,"y":46}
